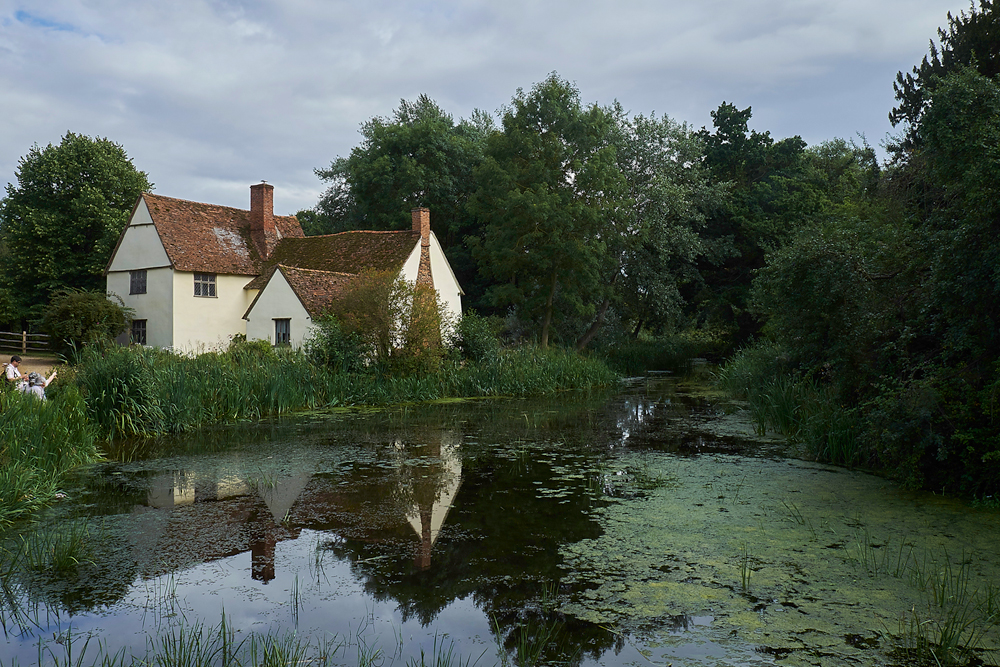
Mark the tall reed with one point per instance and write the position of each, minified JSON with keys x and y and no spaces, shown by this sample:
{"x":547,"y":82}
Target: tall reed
{"x":800,"y":408}
{"x":39,"y":442}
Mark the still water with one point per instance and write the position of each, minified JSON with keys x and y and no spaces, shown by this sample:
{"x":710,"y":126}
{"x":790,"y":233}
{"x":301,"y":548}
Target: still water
{"x":645,"y":526}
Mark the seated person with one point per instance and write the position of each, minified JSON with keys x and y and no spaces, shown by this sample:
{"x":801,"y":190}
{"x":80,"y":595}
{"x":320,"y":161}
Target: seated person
{"x":37,"y":384}
{"x":14,"y":375}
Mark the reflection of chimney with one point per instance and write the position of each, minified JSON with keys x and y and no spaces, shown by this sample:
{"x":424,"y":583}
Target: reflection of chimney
{"x":262,"y":556}
{"x":422,"y":224}
{"x":423,"y":558}
{"x":262,"y":229}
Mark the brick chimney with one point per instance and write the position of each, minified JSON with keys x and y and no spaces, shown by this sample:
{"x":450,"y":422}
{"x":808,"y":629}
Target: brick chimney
{"x":262,"y":229}
{"x":422,"y":224}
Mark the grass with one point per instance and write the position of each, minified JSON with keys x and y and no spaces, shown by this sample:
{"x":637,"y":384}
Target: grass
{"x":140,"y":392}
{"x":39,"y":442}
{"x":746,"y":568}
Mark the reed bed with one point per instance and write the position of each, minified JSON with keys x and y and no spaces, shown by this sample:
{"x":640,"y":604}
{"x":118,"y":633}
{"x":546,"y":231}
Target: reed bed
{"x":40,"y":442}
{"x":115,"y":395}
{"x":799,"y":407}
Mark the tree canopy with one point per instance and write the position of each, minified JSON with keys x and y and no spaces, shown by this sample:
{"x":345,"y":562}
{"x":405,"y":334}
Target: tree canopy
{"x":545,"y":188}
{"x":60,"y":223}
{"x":970,"y":40}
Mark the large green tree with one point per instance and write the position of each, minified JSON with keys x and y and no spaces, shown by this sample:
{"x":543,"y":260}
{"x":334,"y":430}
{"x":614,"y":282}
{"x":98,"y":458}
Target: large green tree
{"x":778,"y":188}
{"x":61,"y":221}
{"x":417,"y":157}
{"x":653,"y":233}
{"x":971,"y":39}
{"x":546,"y":189}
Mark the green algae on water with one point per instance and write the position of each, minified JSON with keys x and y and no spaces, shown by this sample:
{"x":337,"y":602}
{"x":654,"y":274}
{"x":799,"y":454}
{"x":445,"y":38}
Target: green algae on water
{"x":831,"y":560}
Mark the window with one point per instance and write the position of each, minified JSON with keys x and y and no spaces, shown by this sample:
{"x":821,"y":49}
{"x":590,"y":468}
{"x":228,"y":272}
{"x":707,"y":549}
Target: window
{"x":282,"y":332}
{"x":139,"y":332}
{"x":137,"y":282}
{"x":204,"y":284}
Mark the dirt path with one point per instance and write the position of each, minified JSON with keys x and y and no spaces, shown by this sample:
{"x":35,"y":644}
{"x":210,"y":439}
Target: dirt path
{"x":29,"y":364}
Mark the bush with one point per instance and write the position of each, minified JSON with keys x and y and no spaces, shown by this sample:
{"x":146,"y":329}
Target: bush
{"x":331,"y":346}
{"x":75,"y":318}
{"x":478,"y":338}
{"x":242,"y":351}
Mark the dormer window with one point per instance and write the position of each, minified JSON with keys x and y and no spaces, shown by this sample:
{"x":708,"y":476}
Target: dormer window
{"x":204,"y":284}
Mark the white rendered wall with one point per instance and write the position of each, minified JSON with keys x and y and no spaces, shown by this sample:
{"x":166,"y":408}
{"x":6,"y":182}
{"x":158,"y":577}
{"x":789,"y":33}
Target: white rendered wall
{"x":155,"y":306}
{"x":140,"y":246}
{"x":203,"y":323}
{"x":444,"y":280}
{"x":411,"y":267}
{"x":277,"y":300}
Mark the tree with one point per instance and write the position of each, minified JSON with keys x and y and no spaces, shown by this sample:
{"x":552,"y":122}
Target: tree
{"x":401,"y":324}
{"x":61,"y":222}
{"x":970,"y":41}
{"x":545,"y":189}
{"x":418,"y":157}
{"x":778,"y":188}
{"x":653,"y":234}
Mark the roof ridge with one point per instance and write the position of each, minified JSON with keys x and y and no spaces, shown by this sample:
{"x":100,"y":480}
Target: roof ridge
{"x":203,"y":203}
{"x":363,"y":231}
{"x":302,"y":268}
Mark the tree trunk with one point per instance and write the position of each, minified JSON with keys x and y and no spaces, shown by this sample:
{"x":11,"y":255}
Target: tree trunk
{"x":594,"y":328}
{"x":599,"y":321}
{"x":638,"y":328}
{"x":548,"y":312}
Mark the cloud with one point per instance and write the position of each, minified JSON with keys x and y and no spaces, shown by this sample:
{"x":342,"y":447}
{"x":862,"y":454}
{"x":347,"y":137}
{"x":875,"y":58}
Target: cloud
{"x":209,"y":96}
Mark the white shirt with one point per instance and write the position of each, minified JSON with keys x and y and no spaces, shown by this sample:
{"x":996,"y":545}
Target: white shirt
{"x":14,"y":374}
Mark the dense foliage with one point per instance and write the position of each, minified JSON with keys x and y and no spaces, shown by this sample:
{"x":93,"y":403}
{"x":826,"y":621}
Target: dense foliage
{"x":76,"y":317}
{"x":60,"y":223}
{"x":882,"y":319}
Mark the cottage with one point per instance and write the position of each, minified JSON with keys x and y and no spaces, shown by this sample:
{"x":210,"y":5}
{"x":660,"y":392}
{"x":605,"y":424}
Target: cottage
{"x":197,"y":274}
{"x":305,"y":276}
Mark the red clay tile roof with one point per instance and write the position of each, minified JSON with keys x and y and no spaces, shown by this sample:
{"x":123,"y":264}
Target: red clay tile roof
{"x":347,"y":252}
{"x":210,"y":238}
{"x":317,"y":290}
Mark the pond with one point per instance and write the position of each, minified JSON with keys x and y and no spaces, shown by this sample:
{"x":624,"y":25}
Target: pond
{"x":645,"y":526}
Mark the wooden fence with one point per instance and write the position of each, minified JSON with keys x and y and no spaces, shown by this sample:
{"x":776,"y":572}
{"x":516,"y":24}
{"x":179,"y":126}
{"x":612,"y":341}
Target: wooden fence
{"x":24,"y":342}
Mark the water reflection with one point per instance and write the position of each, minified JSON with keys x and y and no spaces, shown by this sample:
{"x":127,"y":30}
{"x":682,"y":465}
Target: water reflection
{"x":202,"y":515}
{"x":584,"y":529}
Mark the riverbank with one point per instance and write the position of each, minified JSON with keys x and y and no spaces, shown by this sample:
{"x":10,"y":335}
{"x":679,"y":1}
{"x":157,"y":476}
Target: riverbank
{"x":111,"y":395}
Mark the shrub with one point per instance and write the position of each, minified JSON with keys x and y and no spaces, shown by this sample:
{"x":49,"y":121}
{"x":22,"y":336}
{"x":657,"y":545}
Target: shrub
{"x":75,"y":318}
{"x":332,"y":346}
{"x":478,"y":338}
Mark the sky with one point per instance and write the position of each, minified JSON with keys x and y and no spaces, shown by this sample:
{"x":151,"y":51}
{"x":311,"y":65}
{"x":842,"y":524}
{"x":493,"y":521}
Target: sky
{"x":211,"y":96}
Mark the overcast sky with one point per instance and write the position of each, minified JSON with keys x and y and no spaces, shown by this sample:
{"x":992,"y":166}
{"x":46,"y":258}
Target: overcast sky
{"x":209,"y":97}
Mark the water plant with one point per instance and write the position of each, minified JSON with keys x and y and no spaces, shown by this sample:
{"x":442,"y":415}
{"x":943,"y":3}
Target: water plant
{"x":39,"y":442}
{"x":746,"y":569}
{"x":443,"y":655}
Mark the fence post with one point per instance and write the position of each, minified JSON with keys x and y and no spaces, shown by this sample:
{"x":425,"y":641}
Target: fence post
{"x":24,"y":342}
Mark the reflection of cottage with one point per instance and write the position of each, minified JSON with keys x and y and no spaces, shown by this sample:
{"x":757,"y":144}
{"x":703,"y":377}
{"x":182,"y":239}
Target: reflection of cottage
{"x":198,"y":274}
{"x":190,"y":517}
{"x":303,"y":277}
